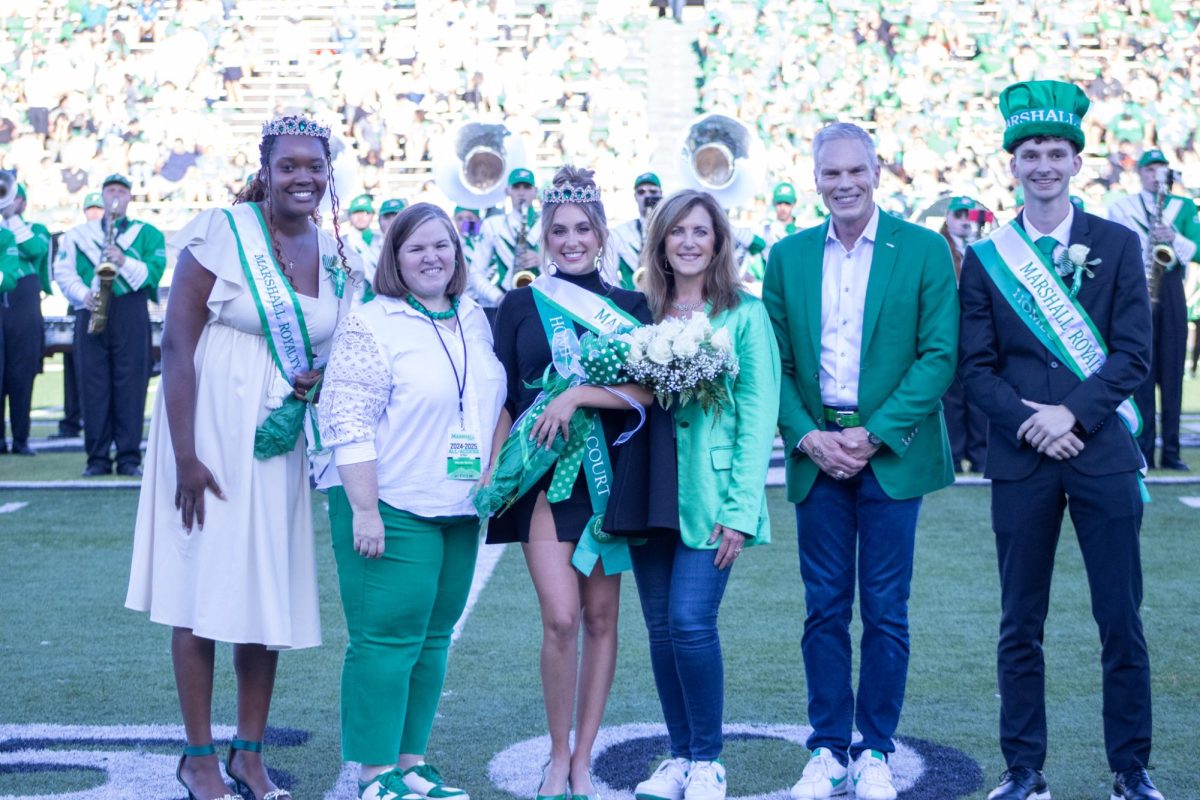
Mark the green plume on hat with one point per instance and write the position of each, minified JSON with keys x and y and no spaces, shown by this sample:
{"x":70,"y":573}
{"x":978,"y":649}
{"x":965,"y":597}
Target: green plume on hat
{"x":1043,"y":108}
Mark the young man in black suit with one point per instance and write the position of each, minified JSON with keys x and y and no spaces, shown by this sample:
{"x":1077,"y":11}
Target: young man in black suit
{"x":1055,"y":338}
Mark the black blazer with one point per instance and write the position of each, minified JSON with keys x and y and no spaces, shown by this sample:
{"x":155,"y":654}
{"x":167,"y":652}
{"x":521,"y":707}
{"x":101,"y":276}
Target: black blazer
{"x":1001,"y":362}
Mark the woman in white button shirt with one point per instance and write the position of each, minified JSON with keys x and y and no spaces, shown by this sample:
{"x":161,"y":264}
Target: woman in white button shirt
{"x":412,"y":397}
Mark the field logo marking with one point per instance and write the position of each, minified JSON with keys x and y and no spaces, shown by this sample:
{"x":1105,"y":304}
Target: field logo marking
{"x":624,"y":754}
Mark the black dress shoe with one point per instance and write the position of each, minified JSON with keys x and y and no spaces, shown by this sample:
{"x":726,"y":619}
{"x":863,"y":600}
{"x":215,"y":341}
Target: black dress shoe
{"x":1175,"y":464}
{"x":1134,"y":784}
{"x":95,"y":471}
{"x":1021,"y":783}
{"x":23,"y":449}
{"x":130,"y":470}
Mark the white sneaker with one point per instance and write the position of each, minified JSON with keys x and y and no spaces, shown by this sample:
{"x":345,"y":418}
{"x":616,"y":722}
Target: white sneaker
{"x":705,"y":781}
{"x":425,"y":780}
{"x":872,"y":777}
{"x":823,"y":777}
{"x":666,"y":783}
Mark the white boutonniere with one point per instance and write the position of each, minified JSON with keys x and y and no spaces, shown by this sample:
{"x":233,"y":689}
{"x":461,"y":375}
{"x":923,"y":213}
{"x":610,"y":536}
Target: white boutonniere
{"x":336,"y":274}
{"x":1073,"y":261}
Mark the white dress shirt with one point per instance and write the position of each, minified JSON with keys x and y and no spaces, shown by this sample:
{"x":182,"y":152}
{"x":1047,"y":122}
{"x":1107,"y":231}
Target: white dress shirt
{"x":391,"y":396}
{"x":1060,"y":234}
{"x":844,"y":276}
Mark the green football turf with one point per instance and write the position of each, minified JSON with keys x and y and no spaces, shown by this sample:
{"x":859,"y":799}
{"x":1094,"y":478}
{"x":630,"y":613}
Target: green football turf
{"x":70,"y":654}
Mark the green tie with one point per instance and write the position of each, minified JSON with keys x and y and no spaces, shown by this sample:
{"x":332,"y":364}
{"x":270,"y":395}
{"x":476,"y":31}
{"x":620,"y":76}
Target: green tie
{"x":1047,"y":244}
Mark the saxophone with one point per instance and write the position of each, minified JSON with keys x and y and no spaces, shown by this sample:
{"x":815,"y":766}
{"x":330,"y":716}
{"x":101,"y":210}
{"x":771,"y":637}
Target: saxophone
{"x":523,"y":277}
{"x":106,"y":271}
{"x":1161,"y":257}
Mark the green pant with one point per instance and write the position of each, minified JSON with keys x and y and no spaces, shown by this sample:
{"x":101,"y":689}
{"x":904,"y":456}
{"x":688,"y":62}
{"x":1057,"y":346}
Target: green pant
{"x":400,"y":611}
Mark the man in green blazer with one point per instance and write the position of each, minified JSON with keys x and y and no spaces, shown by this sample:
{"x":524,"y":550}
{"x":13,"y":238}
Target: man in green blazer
{"x":865,"y":312}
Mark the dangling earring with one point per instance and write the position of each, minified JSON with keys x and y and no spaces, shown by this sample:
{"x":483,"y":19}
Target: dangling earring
{"x":599,"y":259}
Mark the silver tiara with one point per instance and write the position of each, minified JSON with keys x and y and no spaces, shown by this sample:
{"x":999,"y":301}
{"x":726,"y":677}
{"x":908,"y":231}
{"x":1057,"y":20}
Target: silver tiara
{"x":571,"y":194}
{"x":295,"y":126}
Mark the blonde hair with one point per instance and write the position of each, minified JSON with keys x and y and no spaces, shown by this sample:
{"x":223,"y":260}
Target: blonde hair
{"x":578,"y":178}
{"x":389,"y":280}
{"x":721,"y":279}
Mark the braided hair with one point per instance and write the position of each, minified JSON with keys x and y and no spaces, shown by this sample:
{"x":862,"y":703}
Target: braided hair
{"x":258,"y":189}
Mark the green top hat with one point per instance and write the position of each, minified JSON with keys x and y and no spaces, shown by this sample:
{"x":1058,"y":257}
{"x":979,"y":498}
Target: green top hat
{"x":117,"y":177}
{"x":392,"y":206}
{"x":647,"y":177}
{"x":92,"y":200}
{"x":362,"y":203}
{"x":784,"y":193}
{"x":1043,"y":108}
{"x":962,"y":203}
{"x":1152,"y":157}
{"x":520,"y":175}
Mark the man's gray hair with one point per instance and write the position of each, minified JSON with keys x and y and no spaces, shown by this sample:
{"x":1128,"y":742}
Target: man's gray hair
{"x":843,"y":130}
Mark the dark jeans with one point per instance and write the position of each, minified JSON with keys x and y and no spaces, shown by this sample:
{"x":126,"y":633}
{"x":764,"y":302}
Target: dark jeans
{"x":1027,"y":517}
{"x":681,"y":594}
{"x":836,"y":523}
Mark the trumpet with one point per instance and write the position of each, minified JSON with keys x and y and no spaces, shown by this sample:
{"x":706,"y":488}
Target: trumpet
{"x":106,"y":271}
{"x":524,"y":278}
{"x":639,"y":279}
{"x":1162,"y":257}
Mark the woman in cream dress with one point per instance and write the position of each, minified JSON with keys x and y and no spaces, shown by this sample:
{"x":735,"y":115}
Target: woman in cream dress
{"x":223,"y":548}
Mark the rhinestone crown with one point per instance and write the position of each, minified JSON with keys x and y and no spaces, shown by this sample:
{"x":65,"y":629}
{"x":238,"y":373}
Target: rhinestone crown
{"x":295,"y":126}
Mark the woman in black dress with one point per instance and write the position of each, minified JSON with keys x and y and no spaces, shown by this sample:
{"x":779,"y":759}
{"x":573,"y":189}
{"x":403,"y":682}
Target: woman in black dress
{"x":574,"y":233}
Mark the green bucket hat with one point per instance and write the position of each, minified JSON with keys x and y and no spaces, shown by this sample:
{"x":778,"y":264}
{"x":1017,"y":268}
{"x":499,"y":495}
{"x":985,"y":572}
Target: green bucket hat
{"x":362,"y":203}
{"x":118,"y":178}
{"x":1152,"y":157}
{"x":784,"y":193}
{"x":520,"y":175}
{"x":392,"y":206}
{"x":961,"y":203}
{"x":647,"y":177}
{"x":92,"y":200}
{"x":1043,"y":108}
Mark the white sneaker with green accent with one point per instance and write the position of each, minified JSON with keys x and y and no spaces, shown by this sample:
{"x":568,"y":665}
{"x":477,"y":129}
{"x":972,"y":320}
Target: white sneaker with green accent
{"x":705,"y":781}
{"x":666,"y":783}
{"x":426,"y":781}
{"x":872,"y":777}
{"x":387,"y":785}
{"x":823,"y":777}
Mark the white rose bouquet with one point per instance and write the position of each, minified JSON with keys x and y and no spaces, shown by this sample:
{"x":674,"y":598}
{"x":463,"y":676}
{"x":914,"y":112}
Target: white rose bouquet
{"x":683,"y":359}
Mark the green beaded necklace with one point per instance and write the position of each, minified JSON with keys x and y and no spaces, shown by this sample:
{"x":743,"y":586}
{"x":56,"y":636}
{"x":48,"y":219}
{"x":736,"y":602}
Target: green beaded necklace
{"x":419,"y":306}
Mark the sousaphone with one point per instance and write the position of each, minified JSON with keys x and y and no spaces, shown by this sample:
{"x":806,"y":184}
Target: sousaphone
{"x":471,"y":165}
{"x":723,"y":157}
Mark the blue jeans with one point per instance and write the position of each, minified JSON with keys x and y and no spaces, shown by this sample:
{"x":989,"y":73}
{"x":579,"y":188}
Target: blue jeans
{"x":681,"y":592}
{"x":837,"y":520}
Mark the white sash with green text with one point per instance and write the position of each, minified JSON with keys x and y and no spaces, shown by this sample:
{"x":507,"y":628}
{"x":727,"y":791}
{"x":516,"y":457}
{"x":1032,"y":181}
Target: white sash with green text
{"x":1042,"y":301}
{"x":278,"y":305}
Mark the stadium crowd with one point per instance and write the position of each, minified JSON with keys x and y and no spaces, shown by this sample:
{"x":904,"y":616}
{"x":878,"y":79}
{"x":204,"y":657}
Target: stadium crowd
{"x":924,"y":78}
{"x":156,"y":89}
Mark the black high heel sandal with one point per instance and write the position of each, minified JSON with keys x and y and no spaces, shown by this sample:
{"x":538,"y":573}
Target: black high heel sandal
{"x":198,"y":751}
{"x":241,"y":785}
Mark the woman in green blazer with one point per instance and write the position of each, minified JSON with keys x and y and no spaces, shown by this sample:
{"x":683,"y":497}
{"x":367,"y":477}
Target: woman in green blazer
{"x":723,"y":461}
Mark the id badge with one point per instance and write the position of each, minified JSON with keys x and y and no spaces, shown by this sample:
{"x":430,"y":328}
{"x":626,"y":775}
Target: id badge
{"x":463,"y":460}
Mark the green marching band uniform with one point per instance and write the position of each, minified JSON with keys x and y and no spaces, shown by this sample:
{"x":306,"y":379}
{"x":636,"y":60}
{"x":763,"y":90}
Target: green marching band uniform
{"x":21,"y":320}
{"x":114,"y":365}
{"x":10,"y":261}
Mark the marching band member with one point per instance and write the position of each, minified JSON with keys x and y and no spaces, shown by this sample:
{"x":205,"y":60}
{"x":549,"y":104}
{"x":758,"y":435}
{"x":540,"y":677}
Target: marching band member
{"x":21,"y":320}
{"x":1173,"y":231}
{"x":114,"y":363}
{"x":628,"y":237}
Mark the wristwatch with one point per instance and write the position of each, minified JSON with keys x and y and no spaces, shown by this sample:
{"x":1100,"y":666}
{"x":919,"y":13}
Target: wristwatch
{"x":874,"y":440}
